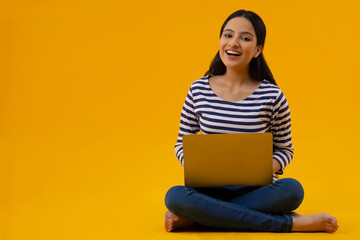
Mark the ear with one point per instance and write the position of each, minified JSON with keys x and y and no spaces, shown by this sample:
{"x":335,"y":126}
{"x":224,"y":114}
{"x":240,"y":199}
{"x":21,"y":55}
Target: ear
{"x":259,"y":49}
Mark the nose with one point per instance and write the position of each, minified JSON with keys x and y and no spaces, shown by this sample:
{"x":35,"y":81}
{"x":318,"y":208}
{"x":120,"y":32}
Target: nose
{"x":234,"y":42}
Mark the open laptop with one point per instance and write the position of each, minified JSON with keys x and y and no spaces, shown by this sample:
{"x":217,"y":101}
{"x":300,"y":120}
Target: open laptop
{"x":228,"y":159}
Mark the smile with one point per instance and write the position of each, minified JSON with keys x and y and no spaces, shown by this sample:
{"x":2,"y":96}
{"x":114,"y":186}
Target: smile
{"x":232,"y":53}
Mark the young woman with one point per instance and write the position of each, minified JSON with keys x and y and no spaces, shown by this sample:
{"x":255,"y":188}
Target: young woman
{"x":239,"y":95}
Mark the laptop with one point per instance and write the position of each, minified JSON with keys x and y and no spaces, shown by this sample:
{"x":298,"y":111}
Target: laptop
{"x":212,"y":160}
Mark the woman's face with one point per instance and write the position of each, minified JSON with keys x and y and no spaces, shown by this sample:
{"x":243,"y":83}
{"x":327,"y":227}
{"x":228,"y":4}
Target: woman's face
{"x":238,"y":44}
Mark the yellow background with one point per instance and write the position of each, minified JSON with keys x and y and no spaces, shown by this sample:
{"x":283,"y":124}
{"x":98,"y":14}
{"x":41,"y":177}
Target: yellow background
{"x":90,"y":101}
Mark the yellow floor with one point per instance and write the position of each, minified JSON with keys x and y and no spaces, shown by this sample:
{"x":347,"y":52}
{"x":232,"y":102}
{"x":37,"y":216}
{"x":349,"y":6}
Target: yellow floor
{"x":106,"y":201}
{"x":107,"y":218}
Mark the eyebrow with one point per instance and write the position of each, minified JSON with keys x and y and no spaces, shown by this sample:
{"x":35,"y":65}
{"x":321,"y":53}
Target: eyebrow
{"x":240,"y":32}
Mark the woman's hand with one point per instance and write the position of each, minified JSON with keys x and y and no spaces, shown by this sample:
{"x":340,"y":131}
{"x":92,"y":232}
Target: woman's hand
{"x":276,"y":166}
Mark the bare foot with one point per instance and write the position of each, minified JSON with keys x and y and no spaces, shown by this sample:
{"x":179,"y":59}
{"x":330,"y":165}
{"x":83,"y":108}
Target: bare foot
{"x":321,"y":222}
{"x":174,"y":222}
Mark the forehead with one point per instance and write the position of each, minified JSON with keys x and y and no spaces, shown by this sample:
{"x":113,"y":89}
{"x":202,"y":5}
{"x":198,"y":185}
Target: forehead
{"x":240,"y":24}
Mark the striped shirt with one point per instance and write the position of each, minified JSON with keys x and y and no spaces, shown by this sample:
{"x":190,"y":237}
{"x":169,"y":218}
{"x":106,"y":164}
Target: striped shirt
{"x":265,"y":110}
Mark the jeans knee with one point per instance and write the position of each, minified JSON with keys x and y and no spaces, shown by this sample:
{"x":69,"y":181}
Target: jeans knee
{"x":295,"y":190}
{"x":173,"y":197}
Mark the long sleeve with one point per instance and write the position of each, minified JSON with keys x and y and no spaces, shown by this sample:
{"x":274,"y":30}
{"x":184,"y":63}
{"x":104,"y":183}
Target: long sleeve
{"x":188,"y":125}
{"x":281,"y":129}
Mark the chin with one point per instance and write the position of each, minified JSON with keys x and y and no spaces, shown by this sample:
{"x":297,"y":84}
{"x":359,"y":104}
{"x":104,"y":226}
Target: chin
{"x":233,"y":66}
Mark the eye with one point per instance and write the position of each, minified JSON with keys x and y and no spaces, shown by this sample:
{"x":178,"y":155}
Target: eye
{"x":245,"y":39}
{"x":227,"y":35}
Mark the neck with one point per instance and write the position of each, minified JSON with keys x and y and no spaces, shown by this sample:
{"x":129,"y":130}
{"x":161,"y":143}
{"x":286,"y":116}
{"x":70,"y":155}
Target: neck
{"x":234,"y":77}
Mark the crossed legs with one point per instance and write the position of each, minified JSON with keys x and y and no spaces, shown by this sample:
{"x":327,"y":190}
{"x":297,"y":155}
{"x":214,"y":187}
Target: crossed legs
{"x":244,"y":208}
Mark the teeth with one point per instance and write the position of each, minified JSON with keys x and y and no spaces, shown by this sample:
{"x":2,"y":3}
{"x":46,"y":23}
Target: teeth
{"x":232,"y":52}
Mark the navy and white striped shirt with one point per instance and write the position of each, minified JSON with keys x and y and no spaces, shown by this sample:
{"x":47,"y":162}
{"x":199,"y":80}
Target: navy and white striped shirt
{"x":265,"y":110}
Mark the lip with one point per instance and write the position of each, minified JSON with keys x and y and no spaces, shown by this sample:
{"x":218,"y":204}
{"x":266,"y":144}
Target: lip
{"x":233,"y":50}
{"x":232,"y":56}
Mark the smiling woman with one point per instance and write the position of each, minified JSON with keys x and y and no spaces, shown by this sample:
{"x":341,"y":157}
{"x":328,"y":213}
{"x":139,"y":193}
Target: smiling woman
{"x":238,"y":44}
{"x":238,"y":94}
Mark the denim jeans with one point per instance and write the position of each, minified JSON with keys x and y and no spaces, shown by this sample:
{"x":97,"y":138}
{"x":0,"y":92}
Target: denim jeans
{"x":239,"y":208}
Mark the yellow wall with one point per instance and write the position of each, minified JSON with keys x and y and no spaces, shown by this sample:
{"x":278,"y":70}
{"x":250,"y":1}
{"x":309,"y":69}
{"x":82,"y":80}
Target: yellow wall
{"x":90,"y":100}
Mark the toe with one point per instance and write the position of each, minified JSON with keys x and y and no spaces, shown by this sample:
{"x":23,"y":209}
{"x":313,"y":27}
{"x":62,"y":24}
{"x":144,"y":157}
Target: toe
{"x":172,"y":216}
{"x":331,"y":228}
{"x":169,"y":226}
{"x":334,"y":222}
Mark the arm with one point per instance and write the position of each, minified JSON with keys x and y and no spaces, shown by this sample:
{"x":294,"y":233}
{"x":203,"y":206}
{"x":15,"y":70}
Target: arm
{"x":281,"y":129}
{"x":189,"y":124}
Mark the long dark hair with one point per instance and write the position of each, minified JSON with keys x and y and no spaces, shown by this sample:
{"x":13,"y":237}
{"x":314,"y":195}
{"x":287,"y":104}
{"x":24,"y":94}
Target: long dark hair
{"x":258,"y":68}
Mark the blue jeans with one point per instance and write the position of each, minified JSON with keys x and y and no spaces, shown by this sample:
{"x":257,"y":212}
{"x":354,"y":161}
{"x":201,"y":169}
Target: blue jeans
{"x":241,"y":208}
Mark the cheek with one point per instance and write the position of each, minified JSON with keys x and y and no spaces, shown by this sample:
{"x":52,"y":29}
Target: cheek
{"x":221,"y":45}
{"x":221,"y":49}
{"x":251,"y":49}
